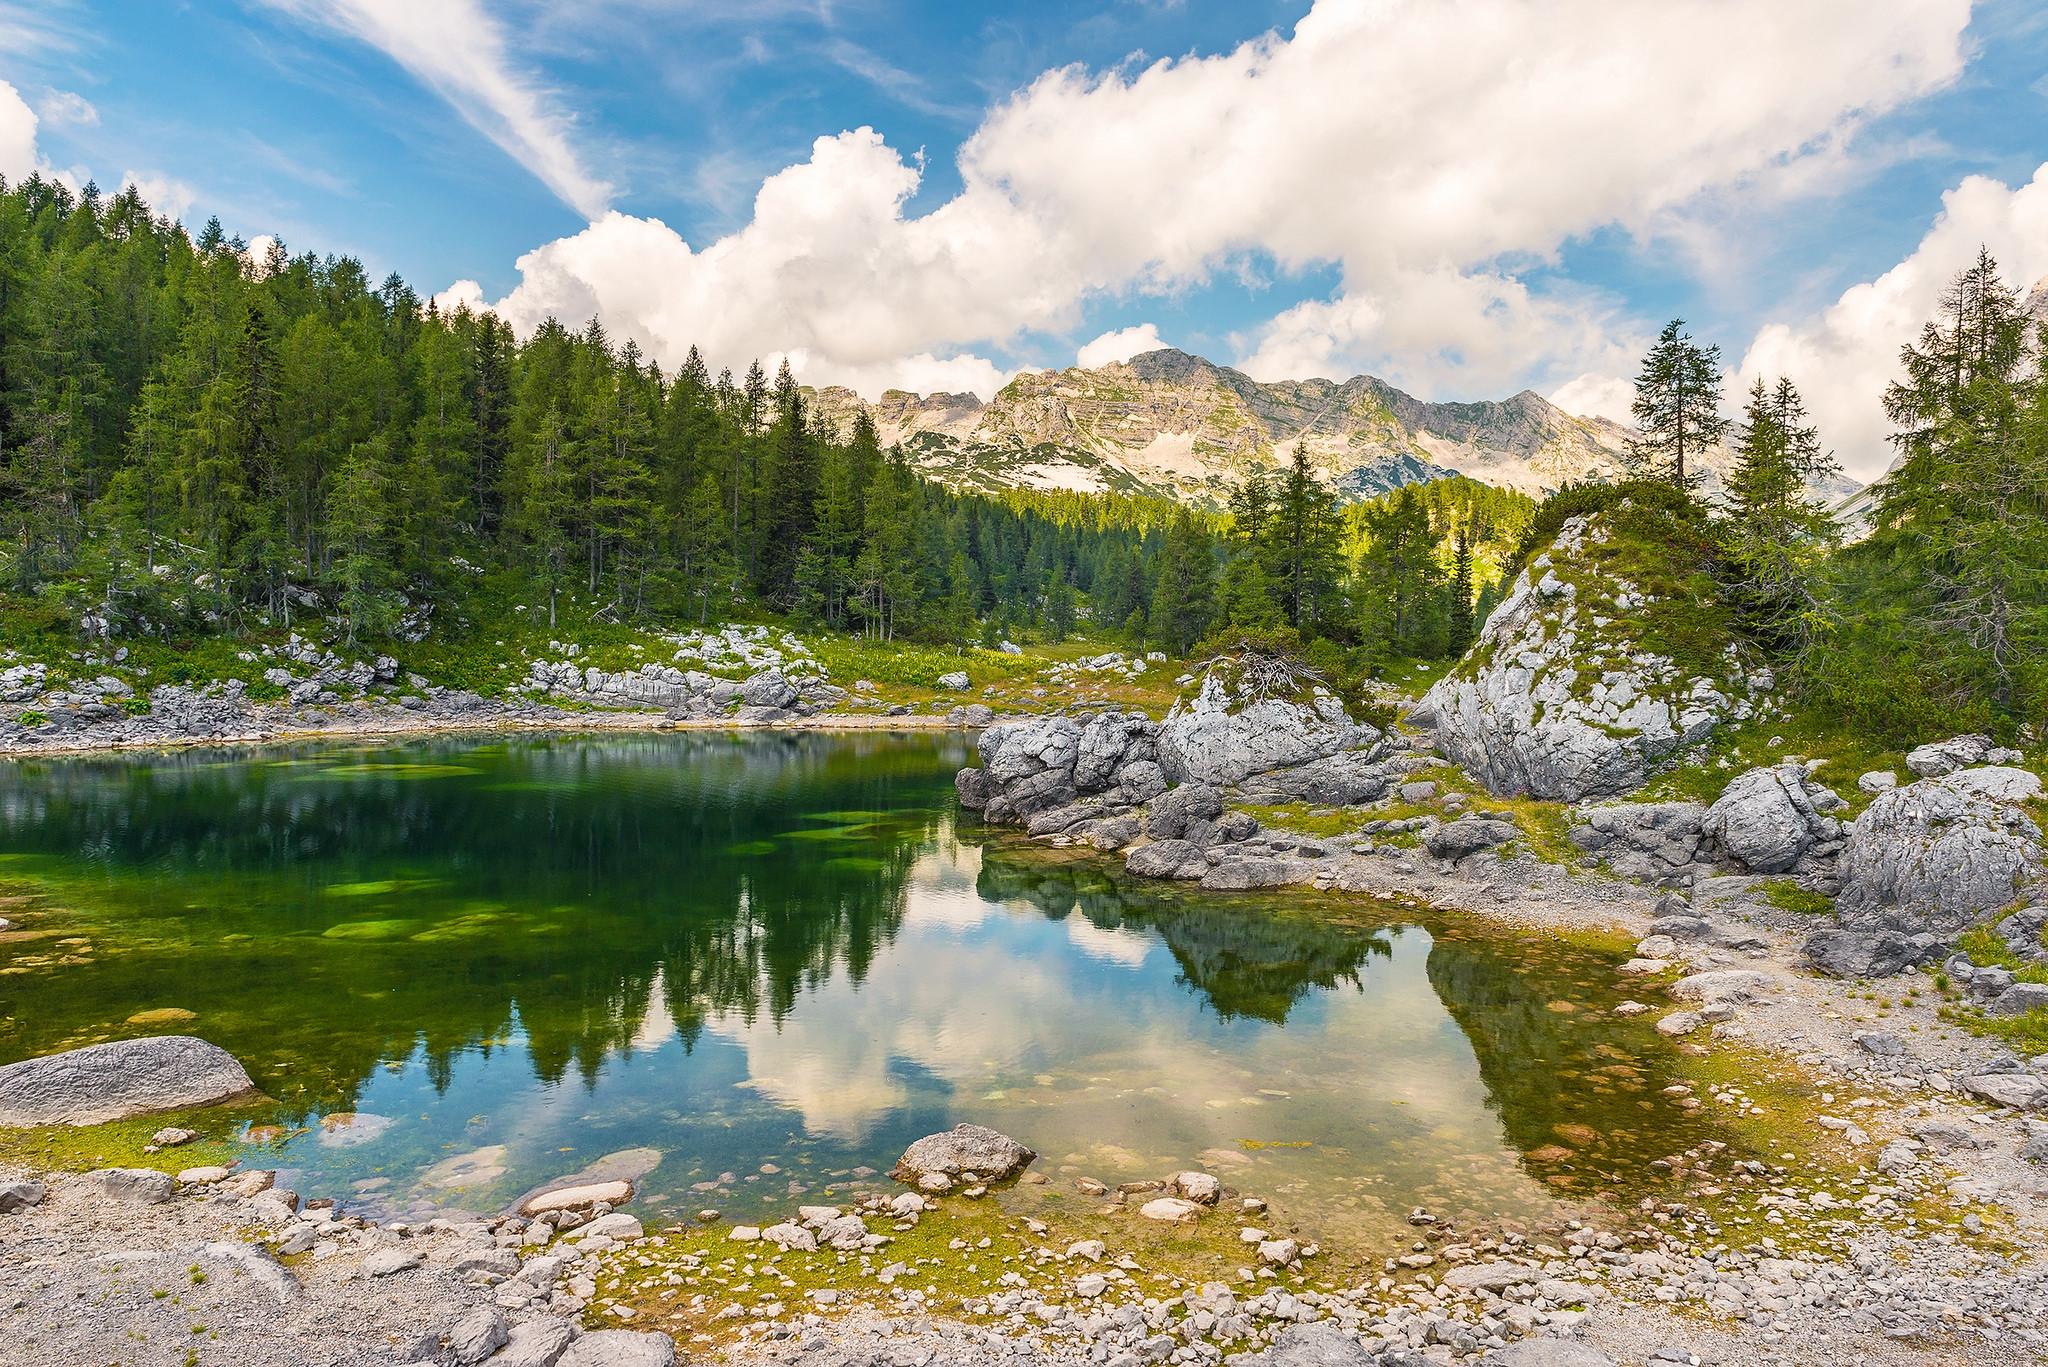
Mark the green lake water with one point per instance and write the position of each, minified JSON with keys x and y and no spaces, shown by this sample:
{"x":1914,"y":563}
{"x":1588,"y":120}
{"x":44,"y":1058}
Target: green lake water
{"x":762,"y":964}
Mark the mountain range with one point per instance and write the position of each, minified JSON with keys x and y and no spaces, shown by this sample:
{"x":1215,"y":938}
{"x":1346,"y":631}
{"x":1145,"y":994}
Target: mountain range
{"x":1172,"y":424}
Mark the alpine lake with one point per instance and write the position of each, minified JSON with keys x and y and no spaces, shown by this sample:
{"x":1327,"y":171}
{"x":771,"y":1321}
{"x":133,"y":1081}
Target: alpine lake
{"x":749,"y":968}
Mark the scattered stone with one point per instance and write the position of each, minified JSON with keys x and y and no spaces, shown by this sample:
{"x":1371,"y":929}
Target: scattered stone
{"x":578,"y":1197}
{"x":20,"y":1195}
{"x":477,"y":1335}
{"x":1170,"y":1210}
{"x":625,"y":1348}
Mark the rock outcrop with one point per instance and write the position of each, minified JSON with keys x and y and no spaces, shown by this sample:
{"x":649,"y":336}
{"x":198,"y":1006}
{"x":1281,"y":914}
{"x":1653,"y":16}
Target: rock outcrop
{"x":104,"y":1082}
{"x":1218,"y":738}
{"x":1556,"y":699}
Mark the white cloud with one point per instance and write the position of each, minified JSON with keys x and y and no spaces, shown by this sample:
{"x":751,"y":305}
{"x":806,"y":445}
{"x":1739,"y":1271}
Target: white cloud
{"x":1113,"y":347}
{"x":68,"y":107}
{"x":1597,"y":396}
{"x":1843,"y":357}
{"x":1433,"y":152}
{"x":458,"y":50}
{"x":17,"y":134}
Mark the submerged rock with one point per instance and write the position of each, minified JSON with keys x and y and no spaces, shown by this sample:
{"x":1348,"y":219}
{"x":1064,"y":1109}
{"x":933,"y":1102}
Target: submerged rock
{"x":104,"y":1082}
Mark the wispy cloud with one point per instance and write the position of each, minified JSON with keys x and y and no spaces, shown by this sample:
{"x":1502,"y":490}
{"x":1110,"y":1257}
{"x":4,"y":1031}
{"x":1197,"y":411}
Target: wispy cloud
{"x":905,"y":88}
{"x":457,"y":50}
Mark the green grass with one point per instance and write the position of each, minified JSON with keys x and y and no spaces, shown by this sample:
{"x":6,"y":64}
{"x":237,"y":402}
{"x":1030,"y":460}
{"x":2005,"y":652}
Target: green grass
{"x":1787,"y":895}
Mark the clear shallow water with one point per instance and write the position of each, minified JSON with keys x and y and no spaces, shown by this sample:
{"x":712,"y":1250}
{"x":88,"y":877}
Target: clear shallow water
{"x":468,"y":967}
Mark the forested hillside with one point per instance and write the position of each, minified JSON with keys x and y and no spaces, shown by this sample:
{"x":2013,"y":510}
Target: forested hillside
{"x":197,"y":441}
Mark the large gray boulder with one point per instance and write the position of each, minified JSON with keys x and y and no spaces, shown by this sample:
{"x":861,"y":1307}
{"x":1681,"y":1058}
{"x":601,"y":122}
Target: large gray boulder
{"x":1946,"y":756}
{"x":1310,"y":1345}
{"x":964,"y":1153}
{"x":104,"y":1082}
{"x":1770,"y":820}
{"x":1556,"y":701}
{"x":1931,"y":857}
{"x":620,"y":1348}
{"x":1654,"y":842}
{"x":1340,"y":780}
{"x":1220,"y":739}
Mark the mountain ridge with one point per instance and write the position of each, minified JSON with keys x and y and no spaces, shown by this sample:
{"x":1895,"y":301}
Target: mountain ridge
{"x":1172,"y":423}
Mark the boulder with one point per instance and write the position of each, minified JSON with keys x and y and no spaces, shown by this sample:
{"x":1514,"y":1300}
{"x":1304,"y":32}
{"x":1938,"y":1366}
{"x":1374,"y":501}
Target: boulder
{"x":104,"y":1082}
{"x":19,"y":1195}
{"x":1556,"y":701}
{"x":1170,"y":1210}
{"x":1724,"y":985}
{"x":1218,"y":738}
{"x":1946,"y":756}
{"x":141,"y":1186}
{"x":1175,"y":810}
{"x":477,"y":1335}
{"x":1468,"y":835}
{"x":963,"y":1152}
{"x":578,"y":1197}
{"x":1345,"y":779}
{"x":768,"y":689}
{"x":1870,"y":954}
{"x":1247,"y":873}
{"x":1167,"y":859}
{"x":537,"y":1343}
{"x":1996,"y":783}
{"x":1877,"y":781}
{"x":1311,"y":1345}
{"x":1106,"y":743}
{"x":790,"y":1235}
{"x":956,"y":680}
{"x":1140,"y":780}
{"x":1655,"y":842}
{"x":1770,"y":820}
{"x":1930,"y":857}
{"x":620,"y":1348}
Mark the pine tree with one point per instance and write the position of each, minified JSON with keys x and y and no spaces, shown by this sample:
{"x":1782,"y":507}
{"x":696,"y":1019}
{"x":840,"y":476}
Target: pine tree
{"x":1462,"y":624}
{"x":1774,"y":533}
{"x":1302,"y":545}
{"x":1677,"y":408}
{"x":1183,"y":602}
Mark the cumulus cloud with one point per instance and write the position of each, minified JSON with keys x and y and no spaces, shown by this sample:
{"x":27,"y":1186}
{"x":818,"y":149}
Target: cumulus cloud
{"x":1597,"y":396}
{"x":460,"y":52}
{"x":1121,"y":345}
{"x":1842,"y":357}
{"x":1432,"y":151}
{"x":17,"y":134}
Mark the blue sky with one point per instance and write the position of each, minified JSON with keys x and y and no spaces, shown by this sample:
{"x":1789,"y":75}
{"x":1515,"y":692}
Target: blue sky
{"x":1467,"y":196}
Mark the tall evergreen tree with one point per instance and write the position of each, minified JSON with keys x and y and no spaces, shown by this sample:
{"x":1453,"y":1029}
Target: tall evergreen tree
{"x":1677,"y":408}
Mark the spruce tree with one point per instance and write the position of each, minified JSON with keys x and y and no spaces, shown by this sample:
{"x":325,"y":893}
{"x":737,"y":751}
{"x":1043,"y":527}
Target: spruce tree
{"x":1677,"y":409}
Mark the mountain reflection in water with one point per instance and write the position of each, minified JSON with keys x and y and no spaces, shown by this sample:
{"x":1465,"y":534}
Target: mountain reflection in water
{"x":518,"y":955}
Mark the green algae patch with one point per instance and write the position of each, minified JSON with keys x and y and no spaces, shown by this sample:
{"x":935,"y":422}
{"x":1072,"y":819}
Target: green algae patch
{"x":392,"y":769}
{"x":125,"y":1143}
{"x":379,"y":887}
{"x":397,"y":929}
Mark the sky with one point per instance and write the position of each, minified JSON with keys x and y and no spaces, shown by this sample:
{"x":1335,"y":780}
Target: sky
{"x":1465,"y":197}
